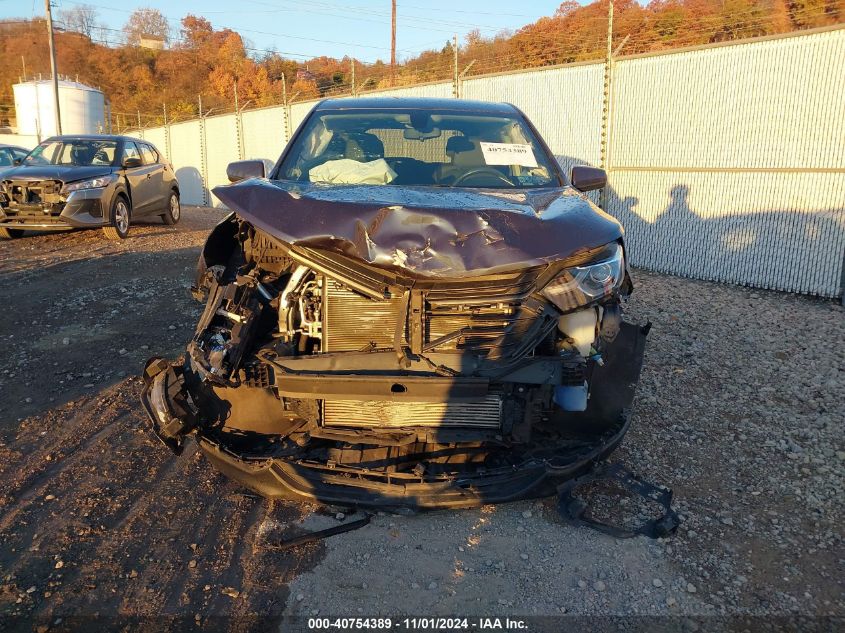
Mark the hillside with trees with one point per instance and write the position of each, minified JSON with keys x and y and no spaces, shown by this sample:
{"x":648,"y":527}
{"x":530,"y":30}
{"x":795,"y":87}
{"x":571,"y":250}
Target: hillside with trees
{"x":147,"y":64}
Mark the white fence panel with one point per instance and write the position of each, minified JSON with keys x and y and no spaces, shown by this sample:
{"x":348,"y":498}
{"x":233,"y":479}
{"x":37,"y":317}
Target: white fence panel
{"x":780,"y":231}
{"x":264,"y":133}
{"x":776,"y":103}
{"x":187,"y":159}
{"x":21,"y":140}
{"x":439,"y":90}
{"x":298,"y":112}
{"x":565,"y":105}
{"x":728,"y":163}
{"x":221,"y":145}
{"x":157,"y":137}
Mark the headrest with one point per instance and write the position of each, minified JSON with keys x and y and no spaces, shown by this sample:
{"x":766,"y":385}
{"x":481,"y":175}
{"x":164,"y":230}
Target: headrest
{"x":464,"y":152}
{"x":363,"y":146}
{"x":81,"y":154}
{"x":458,"y":144}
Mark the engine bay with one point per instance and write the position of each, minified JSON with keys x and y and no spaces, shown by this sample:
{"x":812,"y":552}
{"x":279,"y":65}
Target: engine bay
{"x":317,"y":365}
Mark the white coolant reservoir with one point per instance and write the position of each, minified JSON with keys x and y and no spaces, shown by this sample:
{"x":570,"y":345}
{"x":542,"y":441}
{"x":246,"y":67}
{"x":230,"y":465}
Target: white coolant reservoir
{"x":580,"y":326}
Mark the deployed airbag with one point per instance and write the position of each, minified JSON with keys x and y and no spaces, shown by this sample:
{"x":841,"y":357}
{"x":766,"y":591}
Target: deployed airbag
{"x":346,"y":171}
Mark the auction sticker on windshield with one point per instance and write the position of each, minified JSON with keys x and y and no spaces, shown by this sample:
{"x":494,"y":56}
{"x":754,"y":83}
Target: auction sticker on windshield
{"x":508,"y":154}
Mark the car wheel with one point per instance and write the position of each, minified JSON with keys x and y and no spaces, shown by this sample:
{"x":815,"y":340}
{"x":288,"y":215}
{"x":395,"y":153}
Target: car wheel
{"x":10,"y":234}
{"x":119,"y":227}
{"x":174,"y":211}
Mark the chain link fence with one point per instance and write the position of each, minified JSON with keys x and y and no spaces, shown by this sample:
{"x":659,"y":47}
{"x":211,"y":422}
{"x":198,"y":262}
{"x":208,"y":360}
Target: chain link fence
{"x":725,"y":162}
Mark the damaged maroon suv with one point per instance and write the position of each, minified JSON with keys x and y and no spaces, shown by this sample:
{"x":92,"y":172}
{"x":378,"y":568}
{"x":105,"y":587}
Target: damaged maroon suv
{"x":415,"y":308}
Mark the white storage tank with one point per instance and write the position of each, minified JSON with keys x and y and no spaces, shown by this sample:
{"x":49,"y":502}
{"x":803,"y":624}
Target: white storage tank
{"x":82,"y":107}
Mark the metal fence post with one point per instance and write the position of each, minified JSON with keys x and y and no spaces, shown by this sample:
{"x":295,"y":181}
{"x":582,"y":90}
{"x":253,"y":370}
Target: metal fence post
{"x":285,"y":111}
{"x":462,"y":75}
{"x":456,"y":91}
{"x":203,"y":157}
{"x":606,"y":114}
{"x":842,"y":282}
{"x":167,"y":147}
{"x":238,"y":125}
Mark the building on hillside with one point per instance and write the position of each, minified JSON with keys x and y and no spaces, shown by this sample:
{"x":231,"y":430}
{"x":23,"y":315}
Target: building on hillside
{"x":152,"y":42}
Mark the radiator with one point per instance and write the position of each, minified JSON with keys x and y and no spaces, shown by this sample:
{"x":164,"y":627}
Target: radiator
{"x":485,"y":413}
{"x":352,"y":322}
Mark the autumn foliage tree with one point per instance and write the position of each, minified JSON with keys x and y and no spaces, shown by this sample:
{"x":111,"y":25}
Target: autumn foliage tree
{"x":146,"y":22}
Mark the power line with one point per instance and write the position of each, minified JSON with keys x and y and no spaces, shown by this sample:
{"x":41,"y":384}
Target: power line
{"x":178,"y":21}
{"x":350,"y":12}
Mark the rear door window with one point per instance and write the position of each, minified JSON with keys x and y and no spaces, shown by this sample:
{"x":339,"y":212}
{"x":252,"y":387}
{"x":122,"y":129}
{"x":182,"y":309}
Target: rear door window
{"x":149,"y":154}
{"x":130,"y":150}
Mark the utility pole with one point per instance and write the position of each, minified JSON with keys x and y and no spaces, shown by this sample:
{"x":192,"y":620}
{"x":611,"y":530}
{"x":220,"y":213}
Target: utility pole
{"x":53,"y":66}
{"x":392,"y":44}
{"x":23,"y":63}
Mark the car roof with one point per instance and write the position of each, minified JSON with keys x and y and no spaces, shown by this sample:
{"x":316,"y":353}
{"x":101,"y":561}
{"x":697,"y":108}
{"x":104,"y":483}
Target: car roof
{"x":95,"y":137}
{"x":14,"y":147}
{"x":417,"y":103}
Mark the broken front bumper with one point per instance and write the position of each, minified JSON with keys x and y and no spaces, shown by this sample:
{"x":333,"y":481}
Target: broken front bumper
{"x":83,"y":209}
{"x":288,"y":471}
{"x":337,"y":485}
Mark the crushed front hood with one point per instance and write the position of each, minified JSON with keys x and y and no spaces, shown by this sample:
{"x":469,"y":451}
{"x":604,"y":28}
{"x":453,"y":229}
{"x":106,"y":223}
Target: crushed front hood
{"x":65,"y":173}
{"x":426,"y":230}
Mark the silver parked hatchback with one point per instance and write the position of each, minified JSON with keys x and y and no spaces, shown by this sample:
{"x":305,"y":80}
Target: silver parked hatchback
{"x":100,"y":181}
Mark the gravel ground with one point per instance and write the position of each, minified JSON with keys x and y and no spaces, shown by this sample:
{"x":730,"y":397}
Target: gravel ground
{"x":87,"y":310}
{"x":740,"y":410}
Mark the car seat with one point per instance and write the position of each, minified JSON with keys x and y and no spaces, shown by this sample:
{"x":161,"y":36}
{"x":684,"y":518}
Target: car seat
{"x":465,"y":155}
{"x":81,"y":154}
{"x":101,"y":157}
{"x":364,"y":147}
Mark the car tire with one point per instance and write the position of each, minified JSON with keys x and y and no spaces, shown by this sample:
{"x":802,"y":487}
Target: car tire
{"x":10,"y":234}
{"x":121,"y":211}
{"x":174,"y":210}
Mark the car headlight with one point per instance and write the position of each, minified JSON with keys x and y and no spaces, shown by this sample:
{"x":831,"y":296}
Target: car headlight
{"x":580,"y":285}
{"x":93,"y":183}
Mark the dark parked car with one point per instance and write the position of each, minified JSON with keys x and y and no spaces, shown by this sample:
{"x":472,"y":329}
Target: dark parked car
{"x":415,"y":308}
{"x":70,"y":182}
{"x":9,"y":154}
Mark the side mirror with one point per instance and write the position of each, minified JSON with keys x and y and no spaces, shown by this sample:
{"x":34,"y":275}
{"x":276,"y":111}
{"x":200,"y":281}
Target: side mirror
{"x":131,"y":162}
{"x":585,"y":178}
{"x":244,"y":169}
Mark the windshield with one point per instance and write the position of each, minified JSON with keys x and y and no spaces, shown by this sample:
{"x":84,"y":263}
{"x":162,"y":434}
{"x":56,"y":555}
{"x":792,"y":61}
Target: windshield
{"x":417,"y":147}
{"x":75,"y":152}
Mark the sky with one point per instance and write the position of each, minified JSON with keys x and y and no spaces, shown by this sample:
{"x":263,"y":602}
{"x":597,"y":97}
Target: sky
{"x":301,"y":29}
